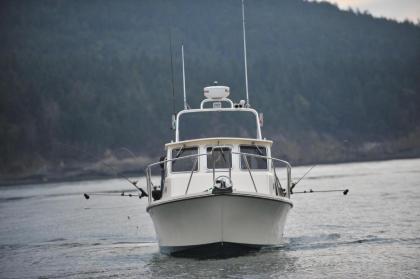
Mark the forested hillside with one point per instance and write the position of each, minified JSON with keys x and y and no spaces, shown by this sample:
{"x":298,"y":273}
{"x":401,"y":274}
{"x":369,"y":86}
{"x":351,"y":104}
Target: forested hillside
{"x":95,"y":75}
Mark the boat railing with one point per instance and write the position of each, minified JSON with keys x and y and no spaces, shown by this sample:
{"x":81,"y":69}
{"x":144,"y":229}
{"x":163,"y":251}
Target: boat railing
{"x":202,"y":109}
{"x":279,"y":190}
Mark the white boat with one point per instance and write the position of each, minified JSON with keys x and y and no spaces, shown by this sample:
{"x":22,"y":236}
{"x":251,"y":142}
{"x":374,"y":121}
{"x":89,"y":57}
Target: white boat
{"x":218,"y":192}
{"x":218,"y":189}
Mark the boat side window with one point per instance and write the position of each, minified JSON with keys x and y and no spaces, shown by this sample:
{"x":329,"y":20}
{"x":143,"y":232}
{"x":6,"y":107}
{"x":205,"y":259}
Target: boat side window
{"x":184,"y":164}
{"x":254,"y":162}
{"x":221,"y":157}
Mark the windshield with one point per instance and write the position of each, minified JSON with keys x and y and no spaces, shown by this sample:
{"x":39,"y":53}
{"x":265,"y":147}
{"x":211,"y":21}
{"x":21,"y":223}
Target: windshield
{"x":209,"y":124}
{"x":219,"y":158}
{"x":251,"y":161}
{"x":184,"y":164}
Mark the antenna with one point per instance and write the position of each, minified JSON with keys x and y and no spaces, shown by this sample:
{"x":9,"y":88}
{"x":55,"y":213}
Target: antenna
{"x":183,"y":78}
{"x":173,"y":124}
{"x":172,"y":72}
{"x":246,"y":64}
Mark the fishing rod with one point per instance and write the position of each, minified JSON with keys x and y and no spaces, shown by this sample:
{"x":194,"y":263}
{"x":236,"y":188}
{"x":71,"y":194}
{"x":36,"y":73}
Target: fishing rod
{"x":132,"y":182}
{"x":116,"y":173}
{"x":296,"y":183}
{"x":122,"y":194}
{"x":344,"y":191}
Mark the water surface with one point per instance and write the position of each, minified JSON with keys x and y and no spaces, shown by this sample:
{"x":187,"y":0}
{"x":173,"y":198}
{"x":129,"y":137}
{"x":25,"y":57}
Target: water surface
{"x":51,"y":231}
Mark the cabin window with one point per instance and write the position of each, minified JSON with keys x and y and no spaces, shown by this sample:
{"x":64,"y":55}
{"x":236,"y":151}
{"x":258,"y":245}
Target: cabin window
{"x":241,"y":124}
{"x":254,"y":162}
{"x":184,"y":164}
{"x":220,"y":158}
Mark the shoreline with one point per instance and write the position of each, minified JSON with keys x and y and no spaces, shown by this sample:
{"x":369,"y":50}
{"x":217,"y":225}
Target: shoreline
{"x":89,"y":175}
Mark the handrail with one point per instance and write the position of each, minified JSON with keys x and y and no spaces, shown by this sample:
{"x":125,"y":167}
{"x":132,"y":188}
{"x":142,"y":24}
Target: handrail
{"x":149,"y":172}
{"x":192,"y":172}
{"x":186,"y":111}
{"x":214,"y":169}
{"x":249,"y":170}
{"x":288,"y":166}
{"x":179,"y":158}
{"x":277,"y":184}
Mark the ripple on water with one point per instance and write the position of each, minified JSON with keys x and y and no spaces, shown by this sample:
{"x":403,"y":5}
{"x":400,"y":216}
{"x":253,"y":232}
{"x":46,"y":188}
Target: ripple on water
{"x":373,"y":231}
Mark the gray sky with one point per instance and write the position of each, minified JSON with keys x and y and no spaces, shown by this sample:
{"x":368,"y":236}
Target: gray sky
{"x":395,"y":9}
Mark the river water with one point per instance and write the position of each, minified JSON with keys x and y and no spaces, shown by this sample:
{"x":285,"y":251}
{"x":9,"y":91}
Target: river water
{"x":51,"y":231}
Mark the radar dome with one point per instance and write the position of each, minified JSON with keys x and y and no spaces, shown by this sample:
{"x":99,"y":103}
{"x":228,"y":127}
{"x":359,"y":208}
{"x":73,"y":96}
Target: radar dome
{"x":216,"y":92}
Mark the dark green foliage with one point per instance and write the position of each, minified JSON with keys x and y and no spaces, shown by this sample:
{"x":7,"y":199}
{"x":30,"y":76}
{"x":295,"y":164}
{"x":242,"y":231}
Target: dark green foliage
{"x":96,"y":74}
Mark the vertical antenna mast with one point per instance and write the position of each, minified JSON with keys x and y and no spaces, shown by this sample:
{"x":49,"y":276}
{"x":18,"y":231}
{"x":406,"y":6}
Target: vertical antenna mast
{"x":172,"y":72}
{"x":173,"y":126}
{"x":183,"y":78}
{"x":246,"y":64}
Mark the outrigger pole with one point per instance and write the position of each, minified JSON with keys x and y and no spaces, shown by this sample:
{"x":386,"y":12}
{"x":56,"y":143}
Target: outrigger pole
{"x":245,"y":61}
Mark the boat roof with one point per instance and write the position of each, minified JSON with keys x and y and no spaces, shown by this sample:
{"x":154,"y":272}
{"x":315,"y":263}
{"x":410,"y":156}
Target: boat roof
{"x":218,"y":141}
{"x":216,"y":95}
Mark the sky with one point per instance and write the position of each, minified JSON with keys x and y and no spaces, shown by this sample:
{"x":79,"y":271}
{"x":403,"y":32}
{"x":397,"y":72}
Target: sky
{"x":395,"y":9}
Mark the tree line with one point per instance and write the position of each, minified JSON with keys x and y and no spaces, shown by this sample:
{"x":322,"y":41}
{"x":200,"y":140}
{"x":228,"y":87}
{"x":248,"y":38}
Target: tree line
{"x":96,"y":75}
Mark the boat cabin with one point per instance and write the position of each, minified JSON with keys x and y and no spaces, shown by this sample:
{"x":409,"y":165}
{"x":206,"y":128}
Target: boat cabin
{"x":219,"y":157}
{"x":223,"y":148}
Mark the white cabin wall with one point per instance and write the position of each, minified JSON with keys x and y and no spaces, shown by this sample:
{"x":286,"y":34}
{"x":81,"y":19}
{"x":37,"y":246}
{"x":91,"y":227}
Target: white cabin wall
{"x":202,"y":180}
{"x":176,"y":184}
{"x":242,"y":181}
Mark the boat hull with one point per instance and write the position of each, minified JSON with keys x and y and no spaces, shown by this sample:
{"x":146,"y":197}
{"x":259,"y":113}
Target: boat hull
{"x":212,"y":250}
{"x":230,"y":220}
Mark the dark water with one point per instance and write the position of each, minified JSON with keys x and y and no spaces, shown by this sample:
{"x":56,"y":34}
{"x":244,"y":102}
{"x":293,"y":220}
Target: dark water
{"x":51,"y":231}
